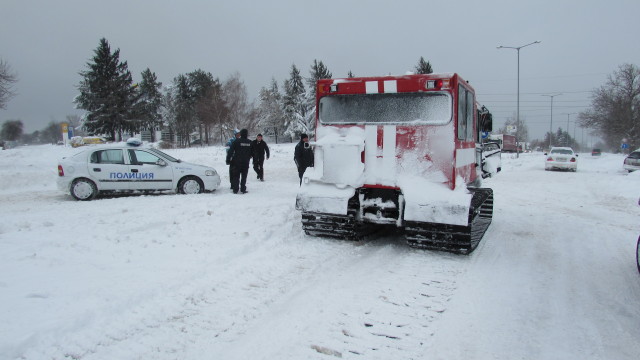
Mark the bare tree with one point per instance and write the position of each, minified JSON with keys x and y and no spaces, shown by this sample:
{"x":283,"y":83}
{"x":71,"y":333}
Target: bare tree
{"x":7,"y":79}
{"x":235,"y":97}
{"x":615,"y":108}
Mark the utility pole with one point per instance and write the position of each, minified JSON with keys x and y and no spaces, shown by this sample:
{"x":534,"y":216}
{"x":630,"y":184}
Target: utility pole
{"x":574,"y":128}
{"x":517,"y":48}
{"x":551,"y":124}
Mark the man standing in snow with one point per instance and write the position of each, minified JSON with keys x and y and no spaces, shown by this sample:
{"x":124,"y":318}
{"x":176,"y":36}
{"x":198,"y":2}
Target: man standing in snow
{"x":238,"y":158}
{"x":259,"y":148}
{"x":303,"y":155}
{"x":236,"y":136}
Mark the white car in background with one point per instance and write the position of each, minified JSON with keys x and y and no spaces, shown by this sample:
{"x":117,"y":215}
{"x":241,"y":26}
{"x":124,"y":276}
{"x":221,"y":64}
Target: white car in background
{"x":561,"y":158}
{"x":131,"y":168}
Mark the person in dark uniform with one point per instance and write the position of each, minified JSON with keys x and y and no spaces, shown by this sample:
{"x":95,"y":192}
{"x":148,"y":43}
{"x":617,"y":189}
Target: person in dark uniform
{"x":259,"y":148}
{"x":238,"y":158}
{"x":303,"y":155}
{"x":236,"y":136}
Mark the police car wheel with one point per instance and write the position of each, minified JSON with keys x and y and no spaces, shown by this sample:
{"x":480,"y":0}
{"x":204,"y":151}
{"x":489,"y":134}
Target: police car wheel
{"x":83,"y":189}
{"x":190,"y":185}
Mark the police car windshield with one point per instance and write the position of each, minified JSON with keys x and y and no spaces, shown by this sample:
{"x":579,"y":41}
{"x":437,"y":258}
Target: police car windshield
{"x":163,"y":155}
{"x":419,"y":108}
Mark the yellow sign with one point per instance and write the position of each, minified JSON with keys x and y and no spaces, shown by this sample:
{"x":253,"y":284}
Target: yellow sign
{"x":65,"y":127}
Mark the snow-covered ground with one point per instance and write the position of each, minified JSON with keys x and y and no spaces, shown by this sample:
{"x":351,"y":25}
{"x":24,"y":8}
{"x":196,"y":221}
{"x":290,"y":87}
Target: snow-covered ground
{"x":224,"y":276}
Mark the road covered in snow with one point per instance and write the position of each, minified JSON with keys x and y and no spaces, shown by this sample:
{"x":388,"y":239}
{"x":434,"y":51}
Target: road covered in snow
{"x":224,"y":276}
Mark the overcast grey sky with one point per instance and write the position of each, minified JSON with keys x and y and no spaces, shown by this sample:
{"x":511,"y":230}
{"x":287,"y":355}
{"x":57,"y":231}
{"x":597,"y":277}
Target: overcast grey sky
{"x":47,"y":43}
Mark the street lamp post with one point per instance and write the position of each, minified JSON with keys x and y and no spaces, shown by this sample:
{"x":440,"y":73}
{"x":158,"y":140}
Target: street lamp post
{"x":551,"y":123}
{"x":517,"y":48}
{"x":574,"y":127}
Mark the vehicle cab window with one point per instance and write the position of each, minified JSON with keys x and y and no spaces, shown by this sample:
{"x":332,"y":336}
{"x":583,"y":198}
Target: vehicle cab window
{"x":465,"y":113}
{"x":112,"y":156}
{"x":143,"y":157}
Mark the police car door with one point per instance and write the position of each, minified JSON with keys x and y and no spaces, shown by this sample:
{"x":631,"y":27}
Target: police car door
{"x":109,"y":169}
{"x":150,"y":171}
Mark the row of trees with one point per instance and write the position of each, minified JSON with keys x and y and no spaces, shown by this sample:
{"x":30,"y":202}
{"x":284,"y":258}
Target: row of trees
{"x":195,"y":104}
{"x":13,"y":130}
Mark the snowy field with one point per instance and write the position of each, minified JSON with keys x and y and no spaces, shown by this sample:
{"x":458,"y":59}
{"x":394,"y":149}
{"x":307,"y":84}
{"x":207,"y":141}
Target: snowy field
{"x":224,"y":276}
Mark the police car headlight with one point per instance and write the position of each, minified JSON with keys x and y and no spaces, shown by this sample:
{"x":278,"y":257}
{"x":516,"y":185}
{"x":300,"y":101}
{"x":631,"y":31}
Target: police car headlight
{"x":210,"y":172}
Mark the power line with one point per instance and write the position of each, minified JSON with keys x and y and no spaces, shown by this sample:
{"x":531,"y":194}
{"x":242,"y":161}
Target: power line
{"x":535,"y":93}
{"x":541,"y":77}
{"x":536,"y":101}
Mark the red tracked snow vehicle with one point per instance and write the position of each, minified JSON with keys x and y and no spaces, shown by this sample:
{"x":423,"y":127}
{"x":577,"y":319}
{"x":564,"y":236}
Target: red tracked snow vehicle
{"x":401,"y":151}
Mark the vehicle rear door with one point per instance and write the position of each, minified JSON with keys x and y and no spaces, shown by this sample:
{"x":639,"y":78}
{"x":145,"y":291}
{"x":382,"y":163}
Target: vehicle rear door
{"x":108,"y":167}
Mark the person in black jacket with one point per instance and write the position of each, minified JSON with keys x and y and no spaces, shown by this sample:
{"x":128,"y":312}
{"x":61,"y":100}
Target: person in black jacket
{"x":259,"y":148}
{"x":238,"y":157}
{"x":303,"y":155}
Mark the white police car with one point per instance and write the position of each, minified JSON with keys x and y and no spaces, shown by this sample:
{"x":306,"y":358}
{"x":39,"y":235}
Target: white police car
{"x":131,"y":168}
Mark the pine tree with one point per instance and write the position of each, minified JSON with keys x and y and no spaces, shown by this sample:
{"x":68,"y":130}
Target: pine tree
{"x":150,"y":103}
{"x":270,"y":111}
{"x":183,"y":108}
{"x":318,"y":71}
{"x":107,"y":94}
{"x":423,"y":67}
{"x":295,"y":104}
{"x":350,"y":74}
{"x":213,"y":111}
{"x":200,"y":83}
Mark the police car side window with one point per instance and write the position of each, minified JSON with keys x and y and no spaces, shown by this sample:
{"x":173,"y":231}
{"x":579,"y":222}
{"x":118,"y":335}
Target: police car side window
{"x":143,"y":157}
{"x":113,"y":156}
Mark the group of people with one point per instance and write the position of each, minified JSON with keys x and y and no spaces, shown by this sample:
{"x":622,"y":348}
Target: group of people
{"x":241,"y":150}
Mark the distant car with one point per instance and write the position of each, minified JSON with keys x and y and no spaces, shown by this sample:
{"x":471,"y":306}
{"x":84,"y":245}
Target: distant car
{"x":632,"y":161}
{"x":126,"y":168}
{"x":596,"y":152}
{"x":561,"y":158}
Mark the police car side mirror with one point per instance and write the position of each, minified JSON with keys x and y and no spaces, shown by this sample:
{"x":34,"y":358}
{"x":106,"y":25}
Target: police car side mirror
{"x":161,"y":162}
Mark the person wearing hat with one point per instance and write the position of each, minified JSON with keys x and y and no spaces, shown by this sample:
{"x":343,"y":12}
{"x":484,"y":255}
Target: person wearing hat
{"x":238,"y":158}
{"x":258,"y":149}
{"x":303,"y":155}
